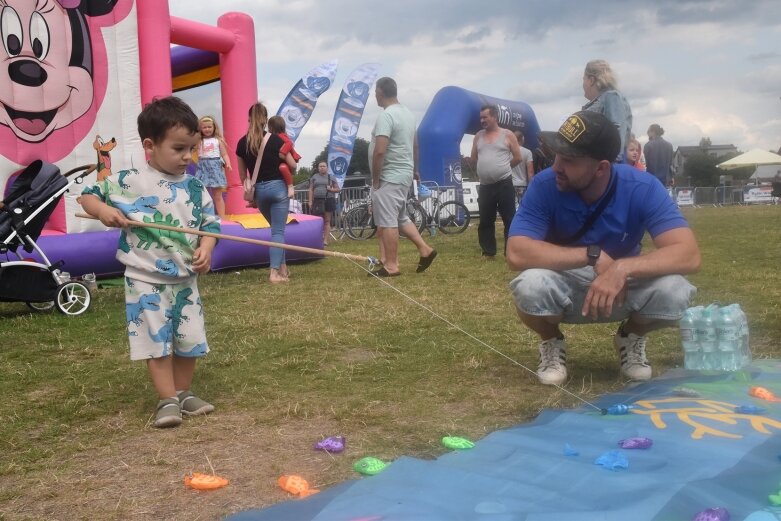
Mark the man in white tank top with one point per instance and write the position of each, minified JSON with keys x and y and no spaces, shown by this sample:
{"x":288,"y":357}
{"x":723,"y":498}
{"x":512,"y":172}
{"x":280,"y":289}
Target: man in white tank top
{"x":495,"y":151}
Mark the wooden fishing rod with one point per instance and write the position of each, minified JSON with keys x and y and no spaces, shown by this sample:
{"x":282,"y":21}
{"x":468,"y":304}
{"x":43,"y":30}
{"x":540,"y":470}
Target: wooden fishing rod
{"x":292,"y":247}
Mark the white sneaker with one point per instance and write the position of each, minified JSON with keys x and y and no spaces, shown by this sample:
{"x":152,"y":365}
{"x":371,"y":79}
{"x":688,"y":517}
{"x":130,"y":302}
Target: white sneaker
{"x":553,"y":362}
{"x":631,"y":351}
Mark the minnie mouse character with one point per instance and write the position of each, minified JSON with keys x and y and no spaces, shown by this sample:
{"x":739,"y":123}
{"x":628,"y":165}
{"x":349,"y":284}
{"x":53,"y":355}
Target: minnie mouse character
{"x":46,"y":72}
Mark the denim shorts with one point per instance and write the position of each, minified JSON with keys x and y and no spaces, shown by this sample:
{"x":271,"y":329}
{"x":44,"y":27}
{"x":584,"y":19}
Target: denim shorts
{"x":541,"y":292}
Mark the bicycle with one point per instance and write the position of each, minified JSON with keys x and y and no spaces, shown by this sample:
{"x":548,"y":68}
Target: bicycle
{"x":451,"y":217}
{"x":359,"y":223}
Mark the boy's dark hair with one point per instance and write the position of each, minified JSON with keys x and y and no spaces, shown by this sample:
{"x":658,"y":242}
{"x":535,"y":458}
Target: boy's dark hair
{"x":163,"y":114}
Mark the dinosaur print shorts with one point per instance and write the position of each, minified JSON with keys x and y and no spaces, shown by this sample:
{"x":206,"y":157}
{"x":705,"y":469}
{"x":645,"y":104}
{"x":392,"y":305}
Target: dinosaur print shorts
{"x":164,"y":319}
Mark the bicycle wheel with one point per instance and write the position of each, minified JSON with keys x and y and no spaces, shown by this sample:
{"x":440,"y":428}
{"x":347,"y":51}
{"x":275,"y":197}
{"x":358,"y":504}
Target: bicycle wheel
{"x":417,"y":214}
{"x":358,"y":223}
{"x":453,"y":217}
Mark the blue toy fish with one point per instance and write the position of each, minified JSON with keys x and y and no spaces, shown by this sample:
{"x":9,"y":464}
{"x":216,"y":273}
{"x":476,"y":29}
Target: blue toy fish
{"x":618,"y":409}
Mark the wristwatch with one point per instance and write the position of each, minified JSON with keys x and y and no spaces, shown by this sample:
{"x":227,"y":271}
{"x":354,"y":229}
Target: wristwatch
{"x":593,"y":251}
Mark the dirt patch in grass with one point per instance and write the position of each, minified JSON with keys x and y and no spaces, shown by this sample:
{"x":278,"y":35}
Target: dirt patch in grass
{"x":141,"y":476}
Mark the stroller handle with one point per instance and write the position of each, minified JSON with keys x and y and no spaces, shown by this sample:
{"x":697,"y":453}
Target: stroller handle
{"x":87,"y":170}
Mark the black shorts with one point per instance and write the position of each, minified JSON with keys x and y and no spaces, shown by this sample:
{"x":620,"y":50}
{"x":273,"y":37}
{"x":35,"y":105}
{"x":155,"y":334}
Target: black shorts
{"x":321,"y":206}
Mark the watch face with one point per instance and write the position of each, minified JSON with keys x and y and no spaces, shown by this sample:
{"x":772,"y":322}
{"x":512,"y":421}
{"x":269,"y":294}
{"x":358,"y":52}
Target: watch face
{"x":593,"y":251}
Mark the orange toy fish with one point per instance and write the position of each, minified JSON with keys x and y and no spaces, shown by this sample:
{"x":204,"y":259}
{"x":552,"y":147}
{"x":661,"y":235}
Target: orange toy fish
{"x":296,"y":485}
{"x":763,"y":394}
{"x":200,"y":481}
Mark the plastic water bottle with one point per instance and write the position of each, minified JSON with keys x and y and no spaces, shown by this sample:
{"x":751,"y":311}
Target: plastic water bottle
{"x":743,"y":336}
{"x":728,"y":336}
{"x":705,"y":332}
{"x":692,"y":357}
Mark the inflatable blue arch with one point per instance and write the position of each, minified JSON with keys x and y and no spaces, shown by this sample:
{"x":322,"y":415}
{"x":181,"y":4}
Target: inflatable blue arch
{"x":454,"y":112}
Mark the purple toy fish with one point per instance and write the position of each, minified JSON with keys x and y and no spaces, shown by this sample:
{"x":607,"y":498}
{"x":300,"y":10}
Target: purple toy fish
{"x":712,"y":514}
{"x":334,"y":444}
{"x":636,"y":443}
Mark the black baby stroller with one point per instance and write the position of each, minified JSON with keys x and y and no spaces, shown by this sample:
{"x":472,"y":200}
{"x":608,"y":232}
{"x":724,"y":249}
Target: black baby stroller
{"x":33,"y":197}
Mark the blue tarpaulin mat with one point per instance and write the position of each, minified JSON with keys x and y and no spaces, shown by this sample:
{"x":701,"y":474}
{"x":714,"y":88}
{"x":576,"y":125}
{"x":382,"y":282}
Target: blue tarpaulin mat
{"x":704,"y":455}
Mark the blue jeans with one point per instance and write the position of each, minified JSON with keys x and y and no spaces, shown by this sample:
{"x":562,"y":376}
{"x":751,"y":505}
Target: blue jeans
{"x":271,"y":198}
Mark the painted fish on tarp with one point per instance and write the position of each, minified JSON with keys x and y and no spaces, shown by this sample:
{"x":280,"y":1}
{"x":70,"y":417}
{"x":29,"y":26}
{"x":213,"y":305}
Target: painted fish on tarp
{"x":347,"y":118}
{"x":300,"y":102}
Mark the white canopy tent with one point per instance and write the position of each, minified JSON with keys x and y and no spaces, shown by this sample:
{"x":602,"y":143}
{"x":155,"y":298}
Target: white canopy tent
{"x":754,"y":157}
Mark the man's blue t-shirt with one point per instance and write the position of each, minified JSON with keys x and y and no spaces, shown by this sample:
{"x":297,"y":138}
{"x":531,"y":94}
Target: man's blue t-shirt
{"x":640,"y":204}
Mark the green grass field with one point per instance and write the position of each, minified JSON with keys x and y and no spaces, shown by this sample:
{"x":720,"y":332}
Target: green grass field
{"x":333,"y":352}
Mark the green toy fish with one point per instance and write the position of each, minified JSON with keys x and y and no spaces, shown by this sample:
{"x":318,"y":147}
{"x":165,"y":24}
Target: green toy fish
{"x":369,"y":466}
{"x":457,"y":443}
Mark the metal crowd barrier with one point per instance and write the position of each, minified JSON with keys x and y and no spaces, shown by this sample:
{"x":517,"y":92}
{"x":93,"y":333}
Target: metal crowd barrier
{"x":723,"y":196}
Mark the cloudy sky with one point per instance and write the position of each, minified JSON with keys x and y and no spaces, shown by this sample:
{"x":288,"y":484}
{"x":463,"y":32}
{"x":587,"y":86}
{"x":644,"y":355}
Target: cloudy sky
{"x":698,"y":68}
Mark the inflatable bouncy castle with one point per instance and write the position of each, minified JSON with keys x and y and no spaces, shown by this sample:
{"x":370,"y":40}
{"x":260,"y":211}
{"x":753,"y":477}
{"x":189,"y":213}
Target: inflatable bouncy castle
{"x":78,"y":73}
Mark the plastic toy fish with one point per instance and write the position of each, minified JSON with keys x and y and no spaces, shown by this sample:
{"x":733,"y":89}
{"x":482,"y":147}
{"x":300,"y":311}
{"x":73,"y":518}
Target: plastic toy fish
{"x":613,"y":460}
{"x":296,"y":485}
{"x":763,"y":394}
{"x":569,"y":451}
{"x":200,"y":481}
{"x":457,"y":443}
{"x":617,"y":410}
{"x":712,"y":514}
{"x":749,"y":409}
{"x":334,"y":444}
{"x":369,"y":466}
{"x":636,"y":443}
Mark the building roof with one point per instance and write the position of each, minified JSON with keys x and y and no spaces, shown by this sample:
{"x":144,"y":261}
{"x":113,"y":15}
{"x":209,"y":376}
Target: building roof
{"x":686,"y":150}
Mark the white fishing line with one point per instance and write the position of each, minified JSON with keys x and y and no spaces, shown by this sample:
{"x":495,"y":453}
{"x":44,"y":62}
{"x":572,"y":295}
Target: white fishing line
{"x":484,"y":344}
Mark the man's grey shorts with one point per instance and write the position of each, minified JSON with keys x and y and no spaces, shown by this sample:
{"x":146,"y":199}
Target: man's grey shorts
{"x":389,"y":205}
{"x":541,"y":292}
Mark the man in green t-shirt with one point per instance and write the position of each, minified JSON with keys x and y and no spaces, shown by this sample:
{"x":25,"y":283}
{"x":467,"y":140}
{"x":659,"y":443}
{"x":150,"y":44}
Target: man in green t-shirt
{"x":392,"y":154}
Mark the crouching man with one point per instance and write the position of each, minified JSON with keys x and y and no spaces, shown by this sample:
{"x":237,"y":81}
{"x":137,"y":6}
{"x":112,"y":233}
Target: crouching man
{"x":576,"y":240}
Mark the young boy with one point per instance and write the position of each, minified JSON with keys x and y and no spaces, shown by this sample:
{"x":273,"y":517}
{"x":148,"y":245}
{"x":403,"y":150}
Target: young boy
{"x":163,"y":307}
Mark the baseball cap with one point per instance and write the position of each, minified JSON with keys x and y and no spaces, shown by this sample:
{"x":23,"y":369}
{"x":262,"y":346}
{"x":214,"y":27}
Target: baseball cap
{"x":585,"y":133}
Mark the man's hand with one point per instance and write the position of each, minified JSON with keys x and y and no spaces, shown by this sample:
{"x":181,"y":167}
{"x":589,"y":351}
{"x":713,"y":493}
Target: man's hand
{"x":608,"y":288}
{"x":112,"y":217}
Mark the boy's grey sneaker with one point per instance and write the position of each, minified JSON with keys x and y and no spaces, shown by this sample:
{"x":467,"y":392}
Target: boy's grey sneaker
{"x":168,"y":413}
{"x":553,"y":362}
{"x":192,"y":405}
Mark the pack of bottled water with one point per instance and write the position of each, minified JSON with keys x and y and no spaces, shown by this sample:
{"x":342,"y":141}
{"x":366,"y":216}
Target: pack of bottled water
{"x":715,"y":338}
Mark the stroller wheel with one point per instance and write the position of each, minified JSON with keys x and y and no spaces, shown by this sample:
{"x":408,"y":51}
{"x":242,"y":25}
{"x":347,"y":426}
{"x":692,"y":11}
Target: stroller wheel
{"x":41,"y":306}
{"x":73,"y":298}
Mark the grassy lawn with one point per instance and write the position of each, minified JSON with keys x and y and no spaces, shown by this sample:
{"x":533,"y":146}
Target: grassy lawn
{"x":333,"y":352}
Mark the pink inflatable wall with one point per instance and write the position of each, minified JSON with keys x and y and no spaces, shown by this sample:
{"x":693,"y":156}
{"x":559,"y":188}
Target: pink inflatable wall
{"x":233,"y":38}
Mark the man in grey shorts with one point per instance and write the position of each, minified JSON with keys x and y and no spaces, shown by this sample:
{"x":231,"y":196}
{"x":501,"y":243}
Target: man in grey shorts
{"x":392,"y":159}
{"x":576,"y":240}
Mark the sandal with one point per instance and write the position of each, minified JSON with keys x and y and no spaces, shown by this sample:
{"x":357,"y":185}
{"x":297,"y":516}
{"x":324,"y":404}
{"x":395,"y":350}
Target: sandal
{"x":425,"y":262}
{"x":382,"y":272}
